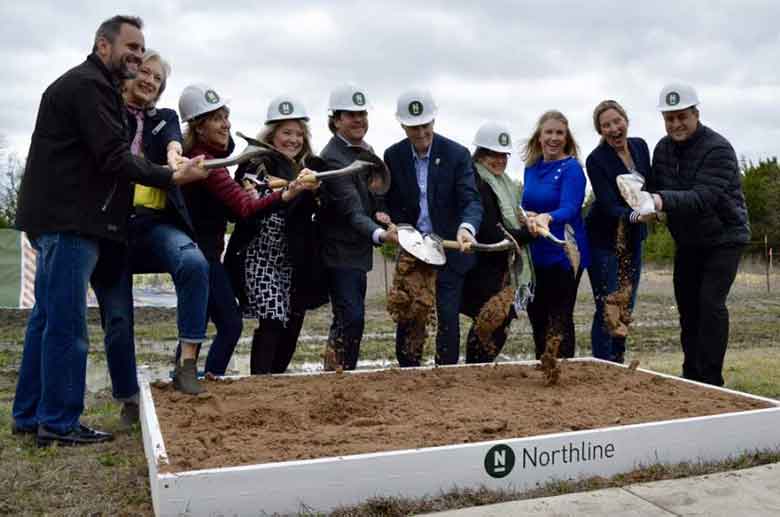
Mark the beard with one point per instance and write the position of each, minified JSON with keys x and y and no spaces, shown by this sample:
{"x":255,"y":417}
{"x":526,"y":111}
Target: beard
{"x":124,"y":67}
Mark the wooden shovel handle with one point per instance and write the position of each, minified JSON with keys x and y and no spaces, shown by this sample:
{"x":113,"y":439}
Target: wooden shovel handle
{"x":277,"y":183}
{"x":450,"y":245}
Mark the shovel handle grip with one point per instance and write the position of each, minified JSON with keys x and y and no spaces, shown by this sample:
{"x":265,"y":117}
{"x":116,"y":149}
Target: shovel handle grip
{"x":450,"y":245}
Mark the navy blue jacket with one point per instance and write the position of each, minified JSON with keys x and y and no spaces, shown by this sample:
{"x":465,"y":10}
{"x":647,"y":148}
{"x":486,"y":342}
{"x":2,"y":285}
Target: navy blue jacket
{"x":452,"y":195}
{"x":161,"y":127}
{"x":603,"y":167}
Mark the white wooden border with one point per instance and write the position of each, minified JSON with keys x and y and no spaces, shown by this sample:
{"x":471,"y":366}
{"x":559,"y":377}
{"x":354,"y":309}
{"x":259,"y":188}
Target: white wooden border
{"x":322,"y":484}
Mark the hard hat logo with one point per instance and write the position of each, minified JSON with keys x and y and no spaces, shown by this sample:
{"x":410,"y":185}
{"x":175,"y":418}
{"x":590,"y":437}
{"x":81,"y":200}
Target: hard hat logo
{"x":285,"y":108}
{"x":211,"y":96}
{"x":672,"y":99}
{"x":359,"y":99}
{"x":415,"y":108}
{"x":503,"y":139}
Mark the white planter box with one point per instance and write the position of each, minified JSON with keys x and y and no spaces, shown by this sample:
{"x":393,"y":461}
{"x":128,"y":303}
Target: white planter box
{"x":322,"y":484}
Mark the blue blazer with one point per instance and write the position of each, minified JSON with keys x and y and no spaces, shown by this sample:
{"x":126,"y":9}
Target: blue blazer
{"x":453,"y":197}
{"x":603,"y":167}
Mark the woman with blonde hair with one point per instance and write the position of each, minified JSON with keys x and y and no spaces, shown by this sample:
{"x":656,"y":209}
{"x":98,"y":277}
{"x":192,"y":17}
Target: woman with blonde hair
{"x":274,"y":259}
{"x":615,"y":231}
{"x":553,"y":193}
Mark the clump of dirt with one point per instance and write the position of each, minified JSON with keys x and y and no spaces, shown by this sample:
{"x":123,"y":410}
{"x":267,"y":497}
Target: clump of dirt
{"x":491,"y":316}
{"x":549,"y":362}
{"x":271,"y":418}
{"x":617,"y":305}
{"x":412,"y":298}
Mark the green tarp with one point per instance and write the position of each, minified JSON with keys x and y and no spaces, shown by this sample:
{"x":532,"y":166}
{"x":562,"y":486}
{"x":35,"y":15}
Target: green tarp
{"x":10,"y":267}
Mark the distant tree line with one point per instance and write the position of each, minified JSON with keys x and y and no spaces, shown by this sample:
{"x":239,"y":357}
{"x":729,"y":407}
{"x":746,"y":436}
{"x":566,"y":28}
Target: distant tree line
{"x":11,"y":170}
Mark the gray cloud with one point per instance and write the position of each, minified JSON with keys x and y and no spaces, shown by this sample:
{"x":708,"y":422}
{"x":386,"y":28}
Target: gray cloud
{"x":504,"y":60}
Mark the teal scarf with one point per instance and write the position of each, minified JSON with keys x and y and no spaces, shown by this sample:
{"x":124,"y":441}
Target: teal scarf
{"x":508,"y":195}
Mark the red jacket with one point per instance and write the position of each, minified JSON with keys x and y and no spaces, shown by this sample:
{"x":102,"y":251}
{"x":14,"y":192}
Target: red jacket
{"x":217,"y":199}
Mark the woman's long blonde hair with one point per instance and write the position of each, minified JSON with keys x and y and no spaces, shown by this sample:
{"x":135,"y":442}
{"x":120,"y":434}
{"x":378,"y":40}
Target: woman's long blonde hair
{"x":532,"y":151}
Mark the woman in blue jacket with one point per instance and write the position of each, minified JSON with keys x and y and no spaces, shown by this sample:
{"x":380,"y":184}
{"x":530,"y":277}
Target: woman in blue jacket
{"x":614,"y":230}
{"x":553,"y":192}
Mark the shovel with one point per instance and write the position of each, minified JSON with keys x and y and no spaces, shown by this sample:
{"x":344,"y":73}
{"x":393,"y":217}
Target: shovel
{"x":569,"y":242}
{"x":254,"y":149}
{"x":427,"y":248}
{"x":356,"y":167}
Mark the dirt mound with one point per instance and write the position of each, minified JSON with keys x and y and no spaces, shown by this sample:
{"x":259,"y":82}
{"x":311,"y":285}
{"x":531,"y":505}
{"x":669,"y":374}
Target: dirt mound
{"x":280,"y":418}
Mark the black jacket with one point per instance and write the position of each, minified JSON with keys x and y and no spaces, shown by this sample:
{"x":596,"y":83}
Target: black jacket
{"x":487,"y":278}
{"x":700,"y":184}
{"x":603,"y":166}
{"x":303,"y":235}
{"x":347,"y":211}
{"x":79,"y":167}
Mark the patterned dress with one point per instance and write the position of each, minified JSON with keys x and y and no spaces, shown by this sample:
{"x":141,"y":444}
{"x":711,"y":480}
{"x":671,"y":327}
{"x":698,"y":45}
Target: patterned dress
{"x":268,"y":270}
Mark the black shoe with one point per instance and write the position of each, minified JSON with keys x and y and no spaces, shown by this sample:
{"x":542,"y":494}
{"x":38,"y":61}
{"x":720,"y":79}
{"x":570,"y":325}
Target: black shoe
{"x":129,"y":415}
{"x":18,"y":429}
{"x":81,"y":435}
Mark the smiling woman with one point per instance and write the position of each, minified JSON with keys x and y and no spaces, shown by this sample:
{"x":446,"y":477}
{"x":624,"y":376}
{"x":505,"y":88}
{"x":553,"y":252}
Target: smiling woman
{"x":615,"y":231}
{"x":553,"y":194}
{"x":274,"y":259}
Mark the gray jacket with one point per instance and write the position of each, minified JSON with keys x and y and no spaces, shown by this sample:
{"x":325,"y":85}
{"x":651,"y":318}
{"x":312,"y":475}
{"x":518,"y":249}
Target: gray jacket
{"x":347,"y":211}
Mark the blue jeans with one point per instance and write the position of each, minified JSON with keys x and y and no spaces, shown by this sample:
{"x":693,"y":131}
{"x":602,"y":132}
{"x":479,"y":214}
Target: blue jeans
{"x":224,"y":312}
{"x":603,"y":274}
{"x":154,"y":247}
{"x":52,"y":377}
{"x":347,"y":289}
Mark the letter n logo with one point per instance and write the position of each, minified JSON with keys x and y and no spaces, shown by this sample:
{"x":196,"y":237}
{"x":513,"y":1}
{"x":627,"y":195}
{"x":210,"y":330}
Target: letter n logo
{"x":499,"y":461}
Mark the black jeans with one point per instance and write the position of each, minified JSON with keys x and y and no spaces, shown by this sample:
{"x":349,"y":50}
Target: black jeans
{"x":347,"y":289}
{"x":551,"y":312}
{"x":702,"y":280}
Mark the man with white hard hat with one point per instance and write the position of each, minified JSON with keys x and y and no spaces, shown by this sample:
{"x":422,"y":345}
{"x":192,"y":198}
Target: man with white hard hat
{"x":432,"y":188}
{"x":695,"y":180}
{"x":349,"y":229}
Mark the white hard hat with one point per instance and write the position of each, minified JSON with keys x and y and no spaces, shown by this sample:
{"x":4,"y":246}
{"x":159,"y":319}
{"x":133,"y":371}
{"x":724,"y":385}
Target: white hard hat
{"x":197,"y":99}
{"x":415,"y":108}
{"x":677,"y":96}
{"x":285,"y":107}
{"x":347,"y":97}
{"x":495,"y":137}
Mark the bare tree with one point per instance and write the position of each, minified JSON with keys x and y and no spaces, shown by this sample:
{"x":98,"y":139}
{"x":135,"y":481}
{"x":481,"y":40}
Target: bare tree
{"x":12,"y":167}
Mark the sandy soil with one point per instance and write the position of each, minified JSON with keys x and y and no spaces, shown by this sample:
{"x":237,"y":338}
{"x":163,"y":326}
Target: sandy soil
{"x":280,"y":418}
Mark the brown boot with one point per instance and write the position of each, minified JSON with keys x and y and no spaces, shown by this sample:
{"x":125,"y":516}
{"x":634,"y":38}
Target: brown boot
{"x":186,"y":379}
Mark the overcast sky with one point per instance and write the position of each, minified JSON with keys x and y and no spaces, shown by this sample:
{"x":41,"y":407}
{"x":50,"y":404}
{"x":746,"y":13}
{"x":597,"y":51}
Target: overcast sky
{"x":507,"y":61}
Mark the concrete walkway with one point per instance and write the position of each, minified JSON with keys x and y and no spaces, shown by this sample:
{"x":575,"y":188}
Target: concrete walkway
{"x":751,"y":492}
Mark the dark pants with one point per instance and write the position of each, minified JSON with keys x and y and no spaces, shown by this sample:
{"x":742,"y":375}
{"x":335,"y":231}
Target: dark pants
{"x":347,"y":289}
{"x":224,"y":312}
{"x":449,"y":289}
{"x":273,"y":344}
{"x":604,"y":277}
{"x":478,"y":353}
{"x":551,"y":312}
{"x":702,"y":280}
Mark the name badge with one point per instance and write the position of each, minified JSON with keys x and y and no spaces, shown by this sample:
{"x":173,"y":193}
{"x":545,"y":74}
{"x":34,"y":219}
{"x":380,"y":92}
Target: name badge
{"x":158,"y":127}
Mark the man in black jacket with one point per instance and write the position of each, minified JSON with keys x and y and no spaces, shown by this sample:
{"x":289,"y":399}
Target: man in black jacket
{"x":348,"y":228}
{"x":73,"y":202}
{"x":697,"y":182}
